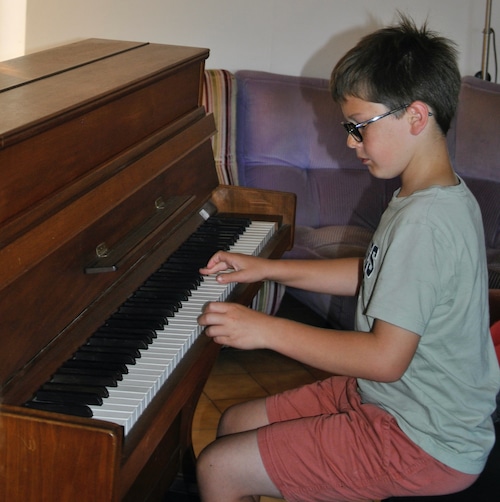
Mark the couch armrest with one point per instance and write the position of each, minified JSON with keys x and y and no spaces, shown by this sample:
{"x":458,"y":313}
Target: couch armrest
{"x":219,"y":98}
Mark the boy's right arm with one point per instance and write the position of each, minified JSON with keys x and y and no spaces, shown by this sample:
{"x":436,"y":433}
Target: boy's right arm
{"x":336,"y":277}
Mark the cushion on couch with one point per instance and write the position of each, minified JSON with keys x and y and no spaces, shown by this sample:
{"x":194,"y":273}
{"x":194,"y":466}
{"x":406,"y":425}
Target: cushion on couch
{"x":477,"y":122}
{"x":476,"y":156}
{"x":487,"y":193}
{"x":289,"y":137}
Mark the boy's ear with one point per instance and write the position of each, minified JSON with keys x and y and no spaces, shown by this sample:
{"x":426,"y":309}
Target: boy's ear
{"x":418,"y":113}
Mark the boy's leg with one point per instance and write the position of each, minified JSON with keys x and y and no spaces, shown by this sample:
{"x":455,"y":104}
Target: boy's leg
{"x":242,"y":417}
{"x":231,"y":469}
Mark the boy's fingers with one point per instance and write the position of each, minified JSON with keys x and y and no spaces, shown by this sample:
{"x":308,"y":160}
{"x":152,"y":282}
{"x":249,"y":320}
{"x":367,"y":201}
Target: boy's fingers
{"x":209,"y":309}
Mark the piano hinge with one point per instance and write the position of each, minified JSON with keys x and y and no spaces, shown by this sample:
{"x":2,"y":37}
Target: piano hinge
{"x":209,"y":209}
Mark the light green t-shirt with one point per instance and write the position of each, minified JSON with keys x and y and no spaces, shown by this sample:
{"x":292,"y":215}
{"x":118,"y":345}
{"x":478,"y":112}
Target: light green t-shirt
{"x":426,"y":272}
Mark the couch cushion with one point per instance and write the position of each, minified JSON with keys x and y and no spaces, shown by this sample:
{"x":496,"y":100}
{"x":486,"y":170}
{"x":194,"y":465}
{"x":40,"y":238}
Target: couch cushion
{"x":285,"y":120}
{"x":330,"y":242}
{"x":328,"y":196}
{"x":477,"y":124}
{"x":487,"y":193}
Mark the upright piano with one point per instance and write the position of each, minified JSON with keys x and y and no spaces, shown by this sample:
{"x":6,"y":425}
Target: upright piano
{"x":108,"y":187}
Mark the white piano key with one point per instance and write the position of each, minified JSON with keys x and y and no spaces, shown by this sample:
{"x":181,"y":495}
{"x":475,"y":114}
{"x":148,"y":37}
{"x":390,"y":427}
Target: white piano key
{"x":123,"y":418}
{"x":129,"y":399}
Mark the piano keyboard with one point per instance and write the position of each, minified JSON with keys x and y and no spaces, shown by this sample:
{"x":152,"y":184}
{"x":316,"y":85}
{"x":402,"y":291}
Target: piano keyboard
{"x":117,"y":373}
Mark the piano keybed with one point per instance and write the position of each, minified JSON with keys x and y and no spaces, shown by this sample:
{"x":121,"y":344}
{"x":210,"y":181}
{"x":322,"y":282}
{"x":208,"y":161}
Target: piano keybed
{"x":116,"y":374}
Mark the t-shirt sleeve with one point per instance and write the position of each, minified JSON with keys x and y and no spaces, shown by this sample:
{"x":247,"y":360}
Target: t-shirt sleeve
{"x":409,"y":282}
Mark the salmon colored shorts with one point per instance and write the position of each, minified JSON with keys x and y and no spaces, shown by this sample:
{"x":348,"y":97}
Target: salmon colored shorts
{"x":323,"y":444}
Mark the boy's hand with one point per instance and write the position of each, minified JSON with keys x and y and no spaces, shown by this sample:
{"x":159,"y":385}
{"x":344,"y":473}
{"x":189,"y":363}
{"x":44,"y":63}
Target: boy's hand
{"x":238,"y":267}
{"x":235,"y":325}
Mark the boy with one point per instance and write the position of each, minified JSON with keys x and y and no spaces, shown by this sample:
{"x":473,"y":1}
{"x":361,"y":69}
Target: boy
{"x":410,"y":414}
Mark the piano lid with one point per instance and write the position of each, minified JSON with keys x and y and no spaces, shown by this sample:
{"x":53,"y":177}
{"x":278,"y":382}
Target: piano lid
{"x":66,"y":78}
{"x":106,"y":96}
{"x":25,"y":69}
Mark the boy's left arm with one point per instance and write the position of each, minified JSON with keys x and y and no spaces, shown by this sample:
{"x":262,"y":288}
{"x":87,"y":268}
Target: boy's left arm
{"x":381,"y":355}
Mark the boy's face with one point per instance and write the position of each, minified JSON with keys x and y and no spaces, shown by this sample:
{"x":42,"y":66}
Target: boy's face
{"x":386,"y":143}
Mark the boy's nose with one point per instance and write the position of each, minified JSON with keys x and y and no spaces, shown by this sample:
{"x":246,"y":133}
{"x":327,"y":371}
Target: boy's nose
{"x":351,"y":142}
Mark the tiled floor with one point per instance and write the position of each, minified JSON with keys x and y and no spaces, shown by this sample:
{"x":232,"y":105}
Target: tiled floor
{"x":240,"y":376}
{"x":243,"y":375}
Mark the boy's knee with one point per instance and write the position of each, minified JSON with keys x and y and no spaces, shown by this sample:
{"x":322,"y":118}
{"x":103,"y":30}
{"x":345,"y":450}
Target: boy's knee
{"x":206,"y":464}
{"x":243,"y":417}
{"x":227,"y":423}
{"x":202,"y":461}
{"x":205,"y":478}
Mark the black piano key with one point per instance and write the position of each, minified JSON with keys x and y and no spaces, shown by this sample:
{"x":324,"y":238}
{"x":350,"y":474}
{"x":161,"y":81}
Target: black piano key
{"x":108,"y":349}
{"x":84,"y":379}
{"x":169,"y":299}
{"x":78,"y":410}
{"x":177,"y":273}
{"x":178,"y":276}
{"x":127,"y":319}
{"x":67,"y":397}
{"x":118,"y":368}
{"x":131,"y":322}
{"x":177,"y":268}
{"x":110,"y":340}
{"x":193,"y":252}
{"x":154,"y":291}
{"x":100,"y":391}
{"x":185,"y":287}
{"x":112,"y":374}
{"x":147,"y":335}
{"x":166,"y":308}
{"x":187,"y":260}
{"x":106,"y":357}
{"x":141,"y":309}
{"x":178,"y":292}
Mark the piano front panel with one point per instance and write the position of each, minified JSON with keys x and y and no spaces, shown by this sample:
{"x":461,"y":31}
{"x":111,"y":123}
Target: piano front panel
{"x":47,"y":458}
{"x":68,"y":291}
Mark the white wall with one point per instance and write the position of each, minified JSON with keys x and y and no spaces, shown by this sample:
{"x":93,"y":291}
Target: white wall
{"x":297,"y":37}
{"x":12,"y":28}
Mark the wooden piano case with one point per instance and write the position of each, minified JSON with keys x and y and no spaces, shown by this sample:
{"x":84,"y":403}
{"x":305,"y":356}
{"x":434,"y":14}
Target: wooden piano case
{"x":106,"y":168}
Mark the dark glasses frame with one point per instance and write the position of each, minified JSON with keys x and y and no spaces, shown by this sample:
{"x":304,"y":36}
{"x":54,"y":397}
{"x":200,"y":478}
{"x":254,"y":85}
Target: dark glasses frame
{"x":354,"y":129}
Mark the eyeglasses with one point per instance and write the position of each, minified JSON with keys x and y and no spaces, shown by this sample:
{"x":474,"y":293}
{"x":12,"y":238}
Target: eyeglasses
{"x":354,"y":129}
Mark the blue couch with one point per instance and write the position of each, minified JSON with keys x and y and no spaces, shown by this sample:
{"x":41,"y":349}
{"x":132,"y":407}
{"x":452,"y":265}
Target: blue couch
{"x":283,"y":133}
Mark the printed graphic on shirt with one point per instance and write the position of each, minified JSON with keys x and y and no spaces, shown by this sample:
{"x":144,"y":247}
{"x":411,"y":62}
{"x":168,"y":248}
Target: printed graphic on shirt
{"x":370,"y":260}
